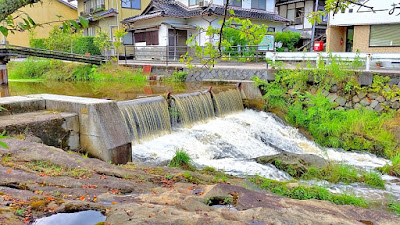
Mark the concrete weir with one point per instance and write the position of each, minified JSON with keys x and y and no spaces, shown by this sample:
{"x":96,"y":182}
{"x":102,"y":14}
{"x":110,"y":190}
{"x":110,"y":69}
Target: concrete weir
{"x":102,"y":132}
{"x":106,"y":129}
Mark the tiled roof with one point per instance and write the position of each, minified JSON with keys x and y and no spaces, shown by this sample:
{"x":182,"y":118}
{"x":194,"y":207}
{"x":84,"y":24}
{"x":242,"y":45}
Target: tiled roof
{"x":176,"y":9}
{"x":248,"y":13}
{"x":68,"y":4}
{"x":102,"y":14}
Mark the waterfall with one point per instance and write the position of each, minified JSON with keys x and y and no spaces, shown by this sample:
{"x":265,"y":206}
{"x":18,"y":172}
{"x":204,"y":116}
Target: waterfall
{"x":152,"y":117}
{"x":146,"y":118}
{"x":193,"y":107}
{"x":227,"y":102}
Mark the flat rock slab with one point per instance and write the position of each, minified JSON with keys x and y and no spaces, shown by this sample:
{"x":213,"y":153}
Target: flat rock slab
{"x":52,"y":128}
{"x":21,"y":104}
{"x":130,"y":195}
{"x":32,"y":117}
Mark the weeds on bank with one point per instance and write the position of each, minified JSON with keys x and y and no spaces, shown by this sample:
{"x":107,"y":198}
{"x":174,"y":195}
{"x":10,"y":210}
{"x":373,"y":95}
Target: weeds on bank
{"x":395,"y":206}
{"x":335,"y":173}
{"x":348,"y":129}
{"x":47,"y":168}
{"x":181,"y":160}
{"x":306,"y":193}
{"x":52,"y":69}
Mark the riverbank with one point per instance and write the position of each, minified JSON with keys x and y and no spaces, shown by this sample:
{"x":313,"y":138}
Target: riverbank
{"x":38,"y":180}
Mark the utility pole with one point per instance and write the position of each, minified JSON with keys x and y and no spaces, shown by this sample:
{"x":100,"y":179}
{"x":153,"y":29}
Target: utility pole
{"x":313,"y":28}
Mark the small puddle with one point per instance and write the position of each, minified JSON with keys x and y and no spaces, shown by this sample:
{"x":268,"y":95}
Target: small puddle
{"x":226,"y":207}
{"x":89,"y":217}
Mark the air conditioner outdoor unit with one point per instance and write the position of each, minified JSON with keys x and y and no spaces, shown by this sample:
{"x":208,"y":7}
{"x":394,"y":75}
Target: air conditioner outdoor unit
{"x":203,"y":3}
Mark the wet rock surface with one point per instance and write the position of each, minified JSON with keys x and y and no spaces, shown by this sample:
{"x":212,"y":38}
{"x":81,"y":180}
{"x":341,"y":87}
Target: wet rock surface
{"x":38,"y":180}
{"x":294,"y":164}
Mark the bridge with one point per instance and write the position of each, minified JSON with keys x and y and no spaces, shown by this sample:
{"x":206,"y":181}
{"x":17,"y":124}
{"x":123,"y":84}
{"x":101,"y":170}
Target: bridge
{"x":7,"y":51}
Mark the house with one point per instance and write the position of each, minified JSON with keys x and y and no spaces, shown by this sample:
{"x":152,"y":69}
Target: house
{"x":106,"y":15}
{"x":166,"y":24}
{"x":373,"y":27}
{"x":44,"y":12}
{"x":297,"y":11}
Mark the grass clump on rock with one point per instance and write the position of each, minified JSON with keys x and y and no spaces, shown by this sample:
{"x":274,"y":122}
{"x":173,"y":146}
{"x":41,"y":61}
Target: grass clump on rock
{"x":306,"y":192}
{"x":181,"y":160}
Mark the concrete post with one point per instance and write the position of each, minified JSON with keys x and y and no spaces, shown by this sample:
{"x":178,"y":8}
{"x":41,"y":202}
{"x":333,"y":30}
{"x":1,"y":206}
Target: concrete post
{"x":4,"y":91}
{"x":368,"y":62}
{"x":3,"y":71}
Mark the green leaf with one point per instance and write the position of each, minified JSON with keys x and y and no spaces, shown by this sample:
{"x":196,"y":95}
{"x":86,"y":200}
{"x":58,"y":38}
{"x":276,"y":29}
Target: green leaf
{"x":2,"y":144}
{"x":84,"y":21}
{"x":75,"y":24}
{"x":4,"y":31}
{"x":31,"y":21}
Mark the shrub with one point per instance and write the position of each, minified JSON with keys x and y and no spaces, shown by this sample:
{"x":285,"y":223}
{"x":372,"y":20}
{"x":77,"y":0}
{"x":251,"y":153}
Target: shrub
{"x":180,"y":76}
{"x":181,"y":160}
{"x":288,"y":38}
{"x":38,"y":43}
{"x":86,"y":45}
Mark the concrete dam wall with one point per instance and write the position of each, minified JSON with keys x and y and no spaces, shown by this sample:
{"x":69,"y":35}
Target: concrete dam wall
{"x":106,"y":129}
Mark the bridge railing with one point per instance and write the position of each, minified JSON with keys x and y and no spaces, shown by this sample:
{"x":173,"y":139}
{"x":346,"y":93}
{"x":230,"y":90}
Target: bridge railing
{"x":19,"y":50}
{"x":367,"y":58}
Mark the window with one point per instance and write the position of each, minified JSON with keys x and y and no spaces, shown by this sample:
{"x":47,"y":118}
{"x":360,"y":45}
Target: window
{"x":259,"y":4}
{"x":193,"y":2}
{"x":384,"y":35}
{"x":271,"y":29}
{"x":131,"y":4}
{"x":299,"y":19}
{"x":237,"y":3}
{"x":150,"y":37}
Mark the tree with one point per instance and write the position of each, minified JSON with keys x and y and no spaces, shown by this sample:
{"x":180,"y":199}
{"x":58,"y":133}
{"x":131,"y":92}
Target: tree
{"x":15,"y":20}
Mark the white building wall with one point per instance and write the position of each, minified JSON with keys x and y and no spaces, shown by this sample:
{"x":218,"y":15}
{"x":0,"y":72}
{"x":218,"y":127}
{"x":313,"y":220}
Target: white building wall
{"x":218,"y":2}
{"x":308,"y":8}
{"x":246,"y":4}
{"x":203,"y":38}
{"x":364,"y":16}
{"x":270,"y":5}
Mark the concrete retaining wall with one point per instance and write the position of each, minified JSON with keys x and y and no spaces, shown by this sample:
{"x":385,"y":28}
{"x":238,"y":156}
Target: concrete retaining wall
{"x":102,"y":131}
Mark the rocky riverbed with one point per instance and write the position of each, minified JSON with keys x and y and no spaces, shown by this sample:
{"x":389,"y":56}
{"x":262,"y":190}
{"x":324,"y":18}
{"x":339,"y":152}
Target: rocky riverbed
{"x":37,"y":180}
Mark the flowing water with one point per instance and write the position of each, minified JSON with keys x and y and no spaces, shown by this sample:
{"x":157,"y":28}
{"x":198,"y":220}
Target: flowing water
{"x":146,"y":118}
{"x":231,"y":143}
{"x":227,"y":102}
{"x":193,"y":107}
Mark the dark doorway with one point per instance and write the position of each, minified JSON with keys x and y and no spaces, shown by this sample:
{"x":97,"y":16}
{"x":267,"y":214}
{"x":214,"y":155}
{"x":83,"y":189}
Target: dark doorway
{"x":349,"y":39}
{"x":176,"y":43}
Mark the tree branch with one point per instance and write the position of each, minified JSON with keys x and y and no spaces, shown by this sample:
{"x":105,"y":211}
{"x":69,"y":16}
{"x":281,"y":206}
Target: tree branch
{"x":8,"y":7}
{"x":222,"y":28}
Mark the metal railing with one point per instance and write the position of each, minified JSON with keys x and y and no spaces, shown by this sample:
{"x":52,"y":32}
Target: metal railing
{"x":12,"y":50}
{"x":167,"y":54}
{"x":368,"y":58}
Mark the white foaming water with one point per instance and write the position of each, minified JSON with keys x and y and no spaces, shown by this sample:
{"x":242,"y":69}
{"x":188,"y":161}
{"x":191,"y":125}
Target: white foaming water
{"x":231,"y":143}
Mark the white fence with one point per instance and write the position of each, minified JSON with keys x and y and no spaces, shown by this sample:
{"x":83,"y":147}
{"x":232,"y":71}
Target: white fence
{"x":346,"y":56}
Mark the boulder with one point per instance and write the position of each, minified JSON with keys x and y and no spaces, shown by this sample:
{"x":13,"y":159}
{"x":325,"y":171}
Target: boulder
{"x":356,"y":99}
{"x":341,"y":101}
{"x":374,"y":103}
{"x":380,"y":99}
{"x":365,"y":102}
{"x":294,"y":164}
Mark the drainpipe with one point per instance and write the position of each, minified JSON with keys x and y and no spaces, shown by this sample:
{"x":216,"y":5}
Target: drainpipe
{"x":313,"y":28}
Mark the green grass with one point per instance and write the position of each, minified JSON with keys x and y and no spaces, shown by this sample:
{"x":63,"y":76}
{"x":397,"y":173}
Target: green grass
{"x":395,"y":206}
{"x":307,"y":193}
{"x":51,"y":69}
{"x":181,"y":160}
{"x":335,"y":173}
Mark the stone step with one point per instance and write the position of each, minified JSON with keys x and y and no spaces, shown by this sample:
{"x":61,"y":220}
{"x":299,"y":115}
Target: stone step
{"x":20,"y":104}
{"x":57,"y":129}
